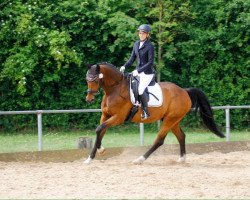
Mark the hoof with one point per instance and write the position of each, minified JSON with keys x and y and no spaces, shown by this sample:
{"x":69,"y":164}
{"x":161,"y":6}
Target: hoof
{"x":101,"y":151}
{"x":88,"y":160}
{"x":139,"y":160}
{"x":182,"y":159}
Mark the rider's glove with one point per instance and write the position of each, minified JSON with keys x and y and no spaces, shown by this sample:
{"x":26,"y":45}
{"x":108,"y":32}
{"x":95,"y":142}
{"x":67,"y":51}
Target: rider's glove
{"x":135,"y":73}
{"x":122,"y":69}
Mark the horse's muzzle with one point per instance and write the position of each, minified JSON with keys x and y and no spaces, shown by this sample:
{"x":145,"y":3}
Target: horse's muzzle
{"x":90,"y":99}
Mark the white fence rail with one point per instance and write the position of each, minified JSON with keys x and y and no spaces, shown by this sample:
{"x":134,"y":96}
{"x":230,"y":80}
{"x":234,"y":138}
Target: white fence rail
{"x":39,"y":114}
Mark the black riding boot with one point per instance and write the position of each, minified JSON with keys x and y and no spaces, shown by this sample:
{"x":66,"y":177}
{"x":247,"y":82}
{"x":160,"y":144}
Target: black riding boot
{"x":144,"y":106}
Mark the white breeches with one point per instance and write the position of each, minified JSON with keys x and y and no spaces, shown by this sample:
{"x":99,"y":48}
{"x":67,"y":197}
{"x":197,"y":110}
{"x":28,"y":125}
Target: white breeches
{"x":145,"y":79}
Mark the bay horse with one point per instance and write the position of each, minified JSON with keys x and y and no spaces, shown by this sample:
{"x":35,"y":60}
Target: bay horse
{"x":116,"y":106}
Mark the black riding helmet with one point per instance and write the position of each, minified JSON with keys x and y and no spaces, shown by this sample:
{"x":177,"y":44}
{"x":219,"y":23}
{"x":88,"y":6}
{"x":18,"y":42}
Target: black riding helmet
{"x":145,"y":28}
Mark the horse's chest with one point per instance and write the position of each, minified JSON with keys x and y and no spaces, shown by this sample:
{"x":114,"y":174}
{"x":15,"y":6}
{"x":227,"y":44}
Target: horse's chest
{"x":109,"y":106}
{"x":113,"y":100}
{"x":114,"y":103}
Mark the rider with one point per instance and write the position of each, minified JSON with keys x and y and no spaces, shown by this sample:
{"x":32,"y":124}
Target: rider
{"x":143,"y":51}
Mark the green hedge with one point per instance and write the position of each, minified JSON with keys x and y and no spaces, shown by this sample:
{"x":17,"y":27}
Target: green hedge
{"x":45,"y":44}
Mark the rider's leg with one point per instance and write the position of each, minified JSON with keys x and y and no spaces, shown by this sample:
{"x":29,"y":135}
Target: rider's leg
{"x":144,"y":106}
{"x":145,"y":80}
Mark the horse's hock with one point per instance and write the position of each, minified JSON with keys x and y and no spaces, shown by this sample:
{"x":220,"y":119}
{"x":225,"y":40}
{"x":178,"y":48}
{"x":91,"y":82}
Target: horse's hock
{"x":84,"y":143}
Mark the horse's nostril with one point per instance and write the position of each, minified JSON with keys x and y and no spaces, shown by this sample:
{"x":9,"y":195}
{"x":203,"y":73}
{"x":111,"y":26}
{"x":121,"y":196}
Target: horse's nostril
{"x":90,"y":100}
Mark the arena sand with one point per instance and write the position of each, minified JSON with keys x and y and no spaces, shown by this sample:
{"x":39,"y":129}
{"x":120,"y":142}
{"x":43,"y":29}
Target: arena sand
{"x":213,"y":175}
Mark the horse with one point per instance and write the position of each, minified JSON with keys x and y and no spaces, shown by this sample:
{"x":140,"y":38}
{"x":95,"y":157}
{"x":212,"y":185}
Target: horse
{"x":116,"y":107}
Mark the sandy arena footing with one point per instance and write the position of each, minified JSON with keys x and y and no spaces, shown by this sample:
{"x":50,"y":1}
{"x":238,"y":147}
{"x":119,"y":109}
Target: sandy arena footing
{"x":212,"y":171}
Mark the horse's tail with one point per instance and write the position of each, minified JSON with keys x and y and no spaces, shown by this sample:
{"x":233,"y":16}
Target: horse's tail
{"x":200,"y":100}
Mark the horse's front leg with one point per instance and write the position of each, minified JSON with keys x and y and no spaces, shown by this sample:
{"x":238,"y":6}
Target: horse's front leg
{"x":100,"y":131}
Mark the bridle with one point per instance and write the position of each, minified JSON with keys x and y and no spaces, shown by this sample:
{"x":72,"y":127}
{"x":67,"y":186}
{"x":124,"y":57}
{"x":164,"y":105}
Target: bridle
{"x":93,"y":78}
{"x":97,"y":78}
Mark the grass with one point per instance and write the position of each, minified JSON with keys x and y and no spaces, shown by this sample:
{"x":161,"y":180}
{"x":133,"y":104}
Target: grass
{"x":115,"y":137}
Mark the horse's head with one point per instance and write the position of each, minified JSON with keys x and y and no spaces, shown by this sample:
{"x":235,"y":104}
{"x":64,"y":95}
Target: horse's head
{"x":103,"y":75}
{"x":93,"y":77}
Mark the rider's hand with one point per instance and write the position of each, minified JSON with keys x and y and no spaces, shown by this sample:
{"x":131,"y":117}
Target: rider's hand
{"x":122,"y":69}
{"x":135,"y":73}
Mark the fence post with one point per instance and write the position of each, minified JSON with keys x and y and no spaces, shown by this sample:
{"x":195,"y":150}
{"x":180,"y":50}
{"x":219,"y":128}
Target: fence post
{"x":227,"y":123}
{"x":141,"y":134}
{"x":40,"y":131}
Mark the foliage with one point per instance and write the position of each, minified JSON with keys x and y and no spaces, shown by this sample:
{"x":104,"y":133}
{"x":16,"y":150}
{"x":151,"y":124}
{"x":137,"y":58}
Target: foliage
{"x":44,"y":46}
{"x":216,"y":54}
{"x":168,"y":19}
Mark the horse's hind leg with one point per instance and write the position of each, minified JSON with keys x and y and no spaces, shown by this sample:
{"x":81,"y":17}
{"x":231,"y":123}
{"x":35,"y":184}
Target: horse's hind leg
{"x":180,"y":135}
{"x":167,"y":124}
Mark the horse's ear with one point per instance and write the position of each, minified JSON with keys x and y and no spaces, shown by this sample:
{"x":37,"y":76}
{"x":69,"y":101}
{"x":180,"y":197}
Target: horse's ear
{"x":97,"y":68}
{"x":88,"y":65}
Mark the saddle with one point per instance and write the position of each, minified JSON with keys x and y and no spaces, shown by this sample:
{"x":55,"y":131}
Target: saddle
{"x":153,"y":92}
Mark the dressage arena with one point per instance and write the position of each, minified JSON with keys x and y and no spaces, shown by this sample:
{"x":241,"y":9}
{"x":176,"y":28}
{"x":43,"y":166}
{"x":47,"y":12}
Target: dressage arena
{"x":212,"y":171}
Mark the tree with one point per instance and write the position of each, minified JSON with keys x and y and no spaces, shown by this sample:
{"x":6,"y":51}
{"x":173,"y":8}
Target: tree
{"x":45,"y":44}
{"x":167,"y":19}
{"x":216,"y":53}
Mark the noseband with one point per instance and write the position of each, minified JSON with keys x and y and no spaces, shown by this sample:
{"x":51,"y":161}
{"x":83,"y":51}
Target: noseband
{"x":94,"y":92}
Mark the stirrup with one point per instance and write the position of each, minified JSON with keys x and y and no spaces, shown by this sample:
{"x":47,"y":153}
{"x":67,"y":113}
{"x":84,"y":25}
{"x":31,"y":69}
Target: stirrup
{"x":145,"y":115}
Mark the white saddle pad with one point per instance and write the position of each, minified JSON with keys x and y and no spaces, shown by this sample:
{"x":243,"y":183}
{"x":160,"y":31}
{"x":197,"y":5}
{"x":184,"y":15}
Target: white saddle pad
{"x":153,"y":102}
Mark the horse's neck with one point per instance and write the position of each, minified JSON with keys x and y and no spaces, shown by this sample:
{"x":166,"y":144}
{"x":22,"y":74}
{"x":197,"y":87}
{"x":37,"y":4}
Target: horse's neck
{"x":117,"y":87}
{"x":111,"y":80}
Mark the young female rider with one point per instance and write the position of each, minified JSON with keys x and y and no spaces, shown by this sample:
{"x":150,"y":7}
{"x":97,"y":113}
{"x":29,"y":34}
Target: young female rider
{"x":143,"y":51}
